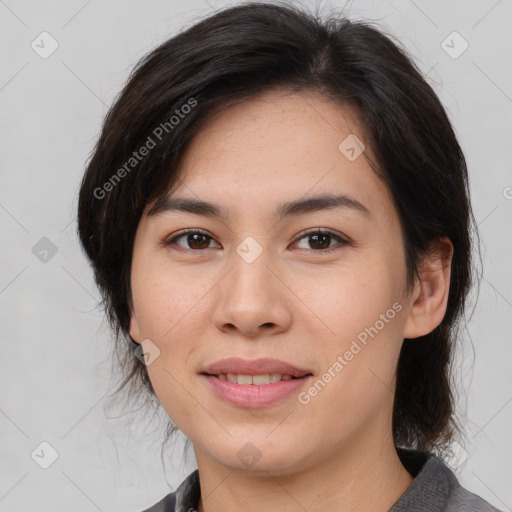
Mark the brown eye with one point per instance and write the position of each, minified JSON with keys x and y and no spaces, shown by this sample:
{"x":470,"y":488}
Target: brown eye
{"x":198,"y":241}
{"x":320,"y":240}
{"x":194,"y":240}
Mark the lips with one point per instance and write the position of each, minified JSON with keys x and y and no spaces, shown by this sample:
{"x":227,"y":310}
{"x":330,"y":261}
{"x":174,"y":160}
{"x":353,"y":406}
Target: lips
{"x":239,"y":366}
{"x":229,"y":380}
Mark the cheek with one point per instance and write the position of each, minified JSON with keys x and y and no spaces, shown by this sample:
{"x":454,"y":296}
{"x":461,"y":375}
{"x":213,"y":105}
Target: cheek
{"x":361,"y":306}
{"x":171,"y":312}
{"x":165,"y":298}
{"x":350,"y":298}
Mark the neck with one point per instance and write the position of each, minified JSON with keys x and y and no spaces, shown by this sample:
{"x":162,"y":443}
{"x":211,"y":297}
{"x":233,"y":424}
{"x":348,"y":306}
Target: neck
{"x":353,"y":480}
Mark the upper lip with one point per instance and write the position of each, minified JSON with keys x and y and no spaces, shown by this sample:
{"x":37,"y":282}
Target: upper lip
{"x":254,"y":367}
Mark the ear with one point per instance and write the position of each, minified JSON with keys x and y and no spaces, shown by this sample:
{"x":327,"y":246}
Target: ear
{"x":430,"y":295}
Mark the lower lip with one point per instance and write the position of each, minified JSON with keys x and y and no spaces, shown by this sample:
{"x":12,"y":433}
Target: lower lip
{"x":250,"y":395}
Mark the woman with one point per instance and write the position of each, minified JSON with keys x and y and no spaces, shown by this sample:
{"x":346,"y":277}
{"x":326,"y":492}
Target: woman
{"x":277,"y":213}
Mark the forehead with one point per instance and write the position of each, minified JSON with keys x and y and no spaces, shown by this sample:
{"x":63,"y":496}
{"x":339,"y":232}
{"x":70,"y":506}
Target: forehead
{"x":279,"y":146}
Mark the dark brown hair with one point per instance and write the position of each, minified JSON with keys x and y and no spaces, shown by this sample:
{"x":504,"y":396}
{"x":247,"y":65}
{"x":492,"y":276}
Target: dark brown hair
{"x":233,"y":56}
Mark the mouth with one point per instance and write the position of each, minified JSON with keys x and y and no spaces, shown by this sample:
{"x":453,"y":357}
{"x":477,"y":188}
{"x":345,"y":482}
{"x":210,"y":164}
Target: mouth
{"x":254,"y":383}
{"x":255,"y":380}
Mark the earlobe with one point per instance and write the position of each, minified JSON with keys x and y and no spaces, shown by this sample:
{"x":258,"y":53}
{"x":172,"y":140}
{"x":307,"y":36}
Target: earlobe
{"x":431,"y":291}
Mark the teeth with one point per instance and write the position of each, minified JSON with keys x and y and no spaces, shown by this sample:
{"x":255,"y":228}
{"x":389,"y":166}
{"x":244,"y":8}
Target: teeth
{"x":243,"y":379}
{"x":257,"y":380}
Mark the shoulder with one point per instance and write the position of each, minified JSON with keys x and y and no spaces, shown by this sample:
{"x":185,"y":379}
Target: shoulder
{"x":464,"y":500}
{"x":166,"y":504}
{"x":184,"y":499}
{"x":435,"y":487}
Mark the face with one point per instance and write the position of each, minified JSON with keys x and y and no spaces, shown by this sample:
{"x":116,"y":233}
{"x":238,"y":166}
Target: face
{"x":320,"y":288}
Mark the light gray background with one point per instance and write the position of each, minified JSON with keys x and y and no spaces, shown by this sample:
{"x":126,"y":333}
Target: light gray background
{"x":56,"y":347}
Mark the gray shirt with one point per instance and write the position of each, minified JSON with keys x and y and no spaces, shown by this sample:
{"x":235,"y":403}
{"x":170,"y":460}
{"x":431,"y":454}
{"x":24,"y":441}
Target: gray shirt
{"x":435,"y":488}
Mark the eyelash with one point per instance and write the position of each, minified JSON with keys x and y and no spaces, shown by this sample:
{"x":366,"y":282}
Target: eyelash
{"x":314,"y":231}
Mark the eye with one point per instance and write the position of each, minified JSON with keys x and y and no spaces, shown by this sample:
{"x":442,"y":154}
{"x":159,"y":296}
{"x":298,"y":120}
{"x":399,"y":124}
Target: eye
{"x":194,"y":239}
{"x":320,"y":240}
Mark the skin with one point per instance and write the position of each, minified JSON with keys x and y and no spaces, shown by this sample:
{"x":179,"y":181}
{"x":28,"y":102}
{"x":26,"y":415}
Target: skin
{"x":293,"y":303}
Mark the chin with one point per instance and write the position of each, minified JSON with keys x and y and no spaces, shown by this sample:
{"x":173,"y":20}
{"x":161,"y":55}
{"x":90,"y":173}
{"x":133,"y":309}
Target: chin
{"x":263,"y":460}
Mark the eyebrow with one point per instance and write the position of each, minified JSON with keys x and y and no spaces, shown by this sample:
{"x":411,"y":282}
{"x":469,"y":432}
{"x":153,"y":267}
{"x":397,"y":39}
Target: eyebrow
{"x":286,"y":209}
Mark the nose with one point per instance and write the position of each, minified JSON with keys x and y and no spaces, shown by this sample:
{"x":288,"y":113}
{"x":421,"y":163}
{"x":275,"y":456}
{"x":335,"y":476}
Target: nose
{"x":250,"y":301}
